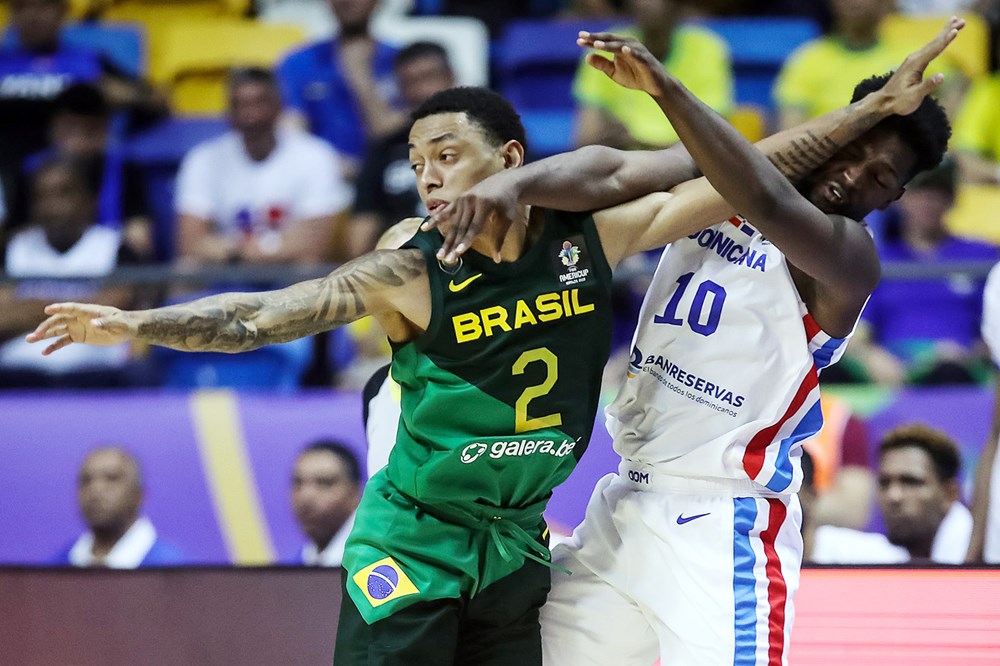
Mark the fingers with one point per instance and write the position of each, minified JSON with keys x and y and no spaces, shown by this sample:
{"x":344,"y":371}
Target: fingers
{"x":600,"y":63}
{"x":476,"y":220}
{"x":930,"y":84}
{"x":604,"y":41}
{"x":74,"y":309}
{"x":936,"y":46}
{"x":57,"y":345}
{"x":45,"y":330}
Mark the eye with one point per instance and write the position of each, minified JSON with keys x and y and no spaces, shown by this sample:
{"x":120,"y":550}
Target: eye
{"x":415,"y":167}
{"x":447,"y":157}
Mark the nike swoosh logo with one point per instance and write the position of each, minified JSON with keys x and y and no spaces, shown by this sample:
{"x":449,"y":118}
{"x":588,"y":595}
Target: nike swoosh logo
{"x":455,"y":288}
{"x":681,"y":519}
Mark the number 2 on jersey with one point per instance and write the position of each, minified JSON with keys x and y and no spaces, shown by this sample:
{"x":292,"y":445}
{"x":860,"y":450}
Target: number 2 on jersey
{"x":694,"y":317}
{"x":521,"y":421}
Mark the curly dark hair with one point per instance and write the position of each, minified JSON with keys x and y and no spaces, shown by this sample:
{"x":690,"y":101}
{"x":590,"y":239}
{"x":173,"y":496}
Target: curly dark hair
{"x":489,"y":111}
{"x":939,"y":447}
{"x":926,"y":130}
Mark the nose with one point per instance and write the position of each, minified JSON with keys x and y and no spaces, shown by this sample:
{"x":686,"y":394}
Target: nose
{"x":430,"y":177}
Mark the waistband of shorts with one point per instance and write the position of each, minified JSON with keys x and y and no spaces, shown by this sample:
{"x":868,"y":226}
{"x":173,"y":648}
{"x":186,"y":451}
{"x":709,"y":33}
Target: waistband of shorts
{"x":645,"y":477}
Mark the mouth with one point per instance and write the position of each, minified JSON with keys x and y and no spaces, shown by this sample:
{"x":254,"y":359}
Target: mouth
{"x":435,"y":205}
{"x":834,"y":193}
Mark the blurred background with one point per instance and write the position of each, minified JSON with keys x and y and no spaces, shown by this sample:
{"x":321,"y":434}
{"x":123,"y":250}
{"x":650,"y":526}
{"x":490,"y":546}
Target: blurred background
{"x":156,"y":150}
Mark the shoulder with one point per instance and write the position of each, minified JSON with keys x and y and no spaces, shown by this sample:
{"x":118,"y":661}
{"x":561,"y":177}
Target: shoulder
{"x":309,"y":55}
{"x":304,"y":143}
{"x":219,"y":146}
{"x":840,"y":545}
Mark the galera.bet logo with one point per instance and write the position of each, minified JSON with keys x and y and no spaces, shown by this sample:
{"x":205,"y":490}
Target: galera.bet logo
{"x":472,"y":452}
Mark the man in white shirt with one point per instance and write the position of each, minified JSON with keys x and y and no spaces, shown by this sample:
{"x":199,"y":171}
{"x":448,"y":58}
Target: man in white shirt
{"x":326,"y":489}
{"x":110,"y":493}
{"x":259,"y":193}
{"x":918,"y":496}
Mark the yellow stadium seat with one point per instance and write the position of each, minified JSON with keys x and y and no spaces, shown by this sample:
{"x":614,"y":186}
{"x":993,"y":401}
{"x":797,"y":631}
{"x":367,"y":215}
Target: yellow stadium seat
{"x":970,"y":52}
{"x":750,"y":121}
{"x":975,"y":213}
{"x":4,"y":15}
{"x":195,"y":56}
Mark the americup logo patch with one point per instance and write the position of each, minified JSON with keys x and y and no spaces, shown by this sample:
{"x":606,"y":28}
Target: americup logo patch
{"x":384,"y":581}
{"x":571,"y":260}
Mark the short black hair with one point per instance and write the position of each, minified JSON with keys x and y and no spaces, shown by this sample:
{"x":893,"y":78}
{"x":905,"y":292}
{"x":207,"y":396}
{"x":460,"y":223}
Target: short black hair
{"x":81,"y":99}
{"x":341,"y":451}
{"x":423,"y":49}
{"x":938,"y":446}
{"x":926,"y":130}
{"x":494,"y":115}
{"x":239,"y":75}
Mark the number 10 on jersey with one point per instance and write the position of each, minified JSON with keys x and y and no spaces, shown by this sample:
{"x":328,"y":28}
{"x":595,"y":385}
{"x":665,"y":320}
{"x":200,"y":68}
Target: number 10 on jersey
{"x":709,"y":294}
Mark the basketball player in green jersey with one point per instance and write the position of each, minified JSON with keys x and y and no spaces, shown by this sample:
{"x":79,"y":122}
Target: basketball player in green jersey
{"x":500,"y":367}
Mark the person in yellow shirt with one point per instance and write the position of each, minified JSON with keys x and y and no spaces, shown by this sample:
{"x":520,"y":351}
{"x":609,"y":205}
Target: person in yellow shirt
{"x":820,"y":74}
{"x":610,"y":115}
{"x":977,"y":128}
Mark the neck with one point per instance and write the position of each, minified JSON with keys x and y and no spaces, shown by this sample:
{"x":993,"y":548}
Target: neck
{"x":105,"y":538}
{"x":259,"y":145}
{"x":514,"y":238}
{"x":64,"y":243}
{"x":322,"y":542}
{"x":859,"y":37}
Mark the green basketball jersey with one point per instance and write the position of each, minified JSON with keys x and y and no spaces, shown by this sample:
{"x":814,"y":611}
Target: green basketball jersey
{"x":499,"y":397}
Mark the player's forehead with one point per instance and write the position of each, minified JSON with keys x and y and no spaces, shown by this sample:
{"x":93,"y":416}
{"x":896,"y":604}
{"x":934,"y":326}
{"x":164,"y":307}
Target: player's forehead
{"x":318,"y":462}
{"x":883,"y":147}
{"x":440,"y":128}
{"x":909,"y":461}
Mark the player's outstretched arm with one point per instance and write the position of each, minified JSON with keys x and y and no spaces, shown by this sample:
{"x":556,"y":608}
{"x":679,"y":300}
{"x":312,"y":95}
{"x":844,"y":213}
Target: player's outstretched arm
{"x":831,"y":250}
{"x":237,"y":322}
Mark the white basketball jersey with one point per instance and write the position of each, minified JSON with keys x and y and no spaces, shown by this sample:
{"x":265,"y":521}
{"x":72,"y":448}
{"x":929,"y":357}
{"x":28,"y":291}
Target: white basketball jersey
{"x":723,"y":379}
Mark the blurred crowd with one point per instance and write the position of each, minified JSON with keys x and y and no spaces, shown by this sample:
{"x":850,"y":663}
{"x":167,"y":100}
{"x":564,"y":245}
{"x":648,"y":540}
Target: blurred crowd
{"x":212,"y":134}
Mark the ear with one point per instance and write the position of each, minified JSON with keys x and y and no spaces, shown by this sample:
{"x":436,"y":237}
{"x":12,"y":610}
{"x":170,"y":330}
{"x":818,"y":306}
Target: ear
{"x":893,"y":200}
{"x":513,"y":154}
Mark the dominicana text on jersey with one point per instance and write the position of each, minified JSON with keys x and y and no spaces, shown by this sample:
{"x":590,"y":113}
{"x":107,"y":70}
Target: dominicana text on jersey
{"x":723,"y":378}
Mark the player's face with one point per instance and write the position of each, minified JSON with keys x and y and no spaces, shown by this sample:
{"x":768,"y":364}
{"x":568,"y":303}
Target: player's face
{"x":38,"y":21}
{"x":323,"y":494}
{"x":866,"y":175}
{"x":652,"y":13}
{"x":924,"y":209}
{"x":420,"y":78}
{"x":108,"y":490}
{"x":79,"y":135}
{"x":353,"y":15}
{"x":254,"y":107}
{"x":912,"y":498}
{"x":848,"y":13}
{"x":449,"y":154}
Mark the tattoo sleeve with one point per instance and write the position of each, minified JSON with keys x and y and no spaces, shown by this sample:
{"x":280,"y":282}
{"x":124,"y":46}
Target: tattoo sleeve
{"x":241,"y":322}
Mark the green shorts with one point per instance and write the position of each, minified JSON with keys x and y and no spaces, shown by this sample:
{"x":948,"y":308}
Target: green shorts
{"x":497,"y":627}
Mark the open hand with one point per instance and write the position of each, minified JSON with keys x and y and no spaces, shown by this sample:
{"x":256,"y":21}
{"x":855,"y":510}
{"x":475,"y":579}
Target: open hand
{"x":907,"y":87}
{"x":82,"y":322}
{"x":464,"y":218}
{"x":632,"y":65}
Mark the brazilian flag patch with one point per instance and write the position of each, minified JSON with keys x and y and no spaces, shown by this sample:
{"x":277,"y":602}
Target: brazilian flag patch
{"x":384,"y":581}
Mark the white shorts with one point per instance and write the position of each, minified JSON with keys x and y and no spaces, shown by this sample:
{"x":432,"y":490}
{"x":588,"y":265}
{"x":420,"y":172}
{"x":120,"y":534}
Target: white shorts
{"x":692,"y":579}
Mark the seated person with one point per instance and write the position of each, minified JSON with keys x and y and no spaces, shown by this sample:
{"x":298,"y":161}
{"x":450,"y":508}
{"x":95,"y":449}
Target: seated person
{"x":38,"y":66}
{"x":342,"y":89}
{"x":925,"y":331}
{"x":820,"y":74}
{"x":326,"y":489}
{"x":259,"y":193}
{"x":81,"y":129}
{"x":110,"y":493}
{"x":614,"y":116}
{"x":977,"y":141}
{"x":62,"y":241}
{"x":918,"y":492}
{"x":387,"y":190}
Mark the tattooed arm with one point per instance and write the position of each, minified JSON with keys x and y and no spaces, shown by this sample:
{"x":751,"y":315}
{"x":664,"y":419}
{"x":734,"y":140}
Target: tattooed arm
{"x":388,"y":284}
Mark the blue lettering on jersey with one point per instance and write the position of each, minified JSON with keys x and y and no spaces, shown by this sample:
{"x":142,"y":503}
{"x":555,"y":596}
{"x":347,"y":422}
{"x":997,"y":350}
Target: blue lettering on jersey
{"x":699,"y":384}
{"x":730,"y":250}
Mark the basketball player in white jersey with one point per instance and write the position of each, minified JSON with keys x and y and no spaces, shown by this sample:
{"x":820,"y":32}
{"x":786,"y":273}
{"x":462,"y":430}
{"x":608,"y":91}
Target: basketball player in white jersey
{"x":691,"y":552}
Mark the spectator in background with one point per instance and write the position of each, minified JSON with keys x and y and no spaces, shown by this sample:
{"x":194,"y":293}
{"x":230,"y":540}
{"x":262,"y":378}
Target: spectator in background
{"x":81,"y":129}
{"x":926,"y":331}
{"x":386,"y":188}
{"x":326,"y":489}
{"x":110,"y":493}
{"x":977,"y":126}
{"x":343,"y":89}
{"x":259,"y":193}
{"x":821,"y":74}
{"x":614,"y":116}
{"x":63,"y":241}
{"x":35,"y":69}
{"x":918,"y":495}
{"x":985,"y":544}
